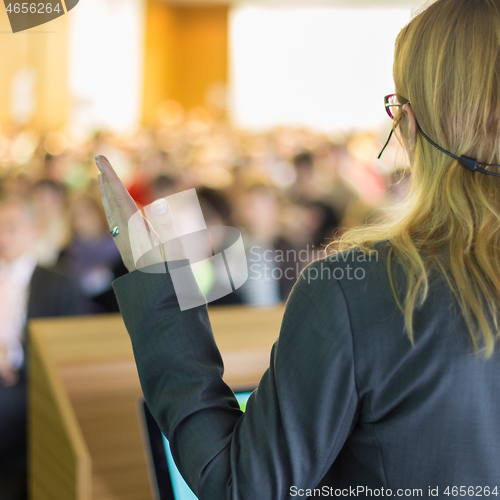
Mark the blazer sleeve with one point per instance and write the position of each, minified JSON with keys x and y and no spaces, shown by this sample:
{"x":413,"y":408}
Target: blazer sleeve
{"x":296,"y":421}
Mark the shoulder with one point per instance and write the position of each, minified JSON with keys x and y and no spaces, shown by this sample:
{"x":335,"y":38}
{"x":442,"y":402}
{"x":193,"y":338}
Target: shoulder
{"x":347,"y":268}
{"x":352,"y":283}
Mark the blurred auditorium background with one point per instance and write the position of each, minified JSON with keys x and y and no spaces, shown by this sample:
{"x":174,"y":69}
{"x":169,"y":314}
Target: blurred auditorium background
{"x":272,"y":111}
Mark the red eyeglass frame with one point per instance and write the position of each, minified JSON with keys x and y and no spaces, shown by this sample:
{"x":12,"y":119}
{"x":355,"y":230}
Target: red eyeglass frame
{"x":388,"y":105}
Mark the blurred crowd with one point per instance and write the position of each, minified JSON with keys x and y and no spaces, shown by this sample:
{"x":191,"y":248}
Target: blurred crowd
{"x":290,"y":191}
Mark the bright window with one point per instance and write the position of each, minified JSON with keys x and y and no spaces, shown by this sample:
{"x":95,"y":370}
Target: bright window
{"x":324,"y":67}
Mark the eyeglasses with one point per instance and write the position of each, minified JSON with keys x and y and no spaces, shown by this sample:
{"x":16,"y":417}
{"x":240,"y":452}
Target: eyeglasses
{"x":392,"y":106}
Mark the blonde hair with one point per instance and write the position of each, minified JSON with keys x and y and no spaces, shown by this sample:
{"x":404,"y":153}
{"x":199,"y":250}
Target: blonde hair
{"x":447,"y":65}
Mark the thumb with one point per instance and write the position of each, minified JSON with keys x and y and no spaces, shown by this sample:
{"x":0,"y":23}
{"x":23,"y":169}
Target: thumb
{"x":164,"y":224}
{"x":163,"y":220}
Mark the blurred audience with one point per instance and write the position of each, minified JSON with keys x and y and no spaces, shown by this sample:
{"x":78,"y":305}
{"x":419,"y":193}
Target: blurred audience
{"x":211,"y":274}
{"x":91,"y":255}
{"x":268,"y":251}
{"x":51,"y":203}
{"x":27,"y":291}
{"x":164,"y":185}
{"x":149,"y":172}
{"x":305,"y":187}
{"x":290,"y":191}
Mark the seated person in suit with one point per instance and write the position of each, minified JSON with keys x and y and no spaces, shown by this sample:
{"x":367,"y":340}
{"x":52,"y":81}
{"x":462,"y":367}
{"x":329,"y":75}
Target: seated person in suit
{"x":26,"y":291}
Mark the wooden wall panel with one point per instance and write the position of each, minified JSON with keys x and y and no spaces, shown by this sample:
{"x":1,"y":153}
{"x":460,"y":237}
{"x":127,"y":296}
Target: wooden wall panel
{"x":186,"y":53}
{"x":43,"y":49}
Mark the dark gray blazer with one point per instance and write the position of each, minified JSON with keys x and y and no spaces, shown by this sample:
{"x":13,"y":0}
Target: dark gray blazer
{"x":53,"y":293}
{"x":347,"y":403}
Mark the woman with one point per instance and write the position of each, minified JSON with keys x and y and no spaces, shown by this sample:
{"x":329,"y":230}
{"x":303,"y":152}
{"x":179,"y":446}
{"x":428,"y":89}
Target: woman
{"x":386,"y":373}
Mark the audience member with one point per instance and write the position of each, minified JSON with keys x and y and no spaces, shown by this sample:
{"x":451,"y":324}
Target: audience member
{"x":271,"y":272}
{"x":50,"y":199}
{"x":305,"y":186}
{"x":27,"y":291}
{"x":91,"y":255}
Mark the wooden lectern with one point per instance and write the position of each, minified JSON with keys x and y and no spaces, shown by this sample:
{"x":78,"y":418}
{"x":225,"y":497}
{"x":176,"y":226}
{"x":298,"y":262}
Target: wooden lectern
{"x":84,"y":432}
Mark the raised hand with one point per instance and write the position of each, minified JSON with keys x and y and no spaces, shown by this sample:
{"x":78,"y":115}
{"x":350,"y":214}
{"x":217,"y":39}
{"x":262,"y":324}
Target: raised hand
{"x":141,"y":241}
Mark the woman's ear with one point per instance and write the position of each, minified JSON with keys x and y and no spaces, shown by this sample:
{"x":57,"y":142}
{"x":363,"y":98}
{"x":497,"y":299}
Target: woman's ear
{"x":412,"y":125}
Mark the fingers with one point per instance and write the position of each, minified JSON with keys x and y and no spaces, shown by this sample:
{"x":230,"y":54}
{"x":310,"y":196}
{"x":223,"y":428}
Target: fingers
{"x":106,"y":169}
{"x":122,"y":211}
{"x":105,"y":203}
{"x":136,"y":237}
{"x":118,"y":196}
{"x":143,"y":238}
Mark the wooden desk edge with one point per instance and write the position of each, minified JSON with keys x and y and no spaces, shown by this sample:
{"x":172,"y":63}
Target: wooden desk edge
{"x":68,"y":415}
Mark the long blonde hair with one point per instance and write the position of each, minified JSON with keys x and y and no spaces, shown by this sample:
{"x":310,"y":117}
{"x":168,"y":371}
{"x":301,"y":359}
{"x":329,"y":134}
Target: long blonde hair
{"x":447,"y":65}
